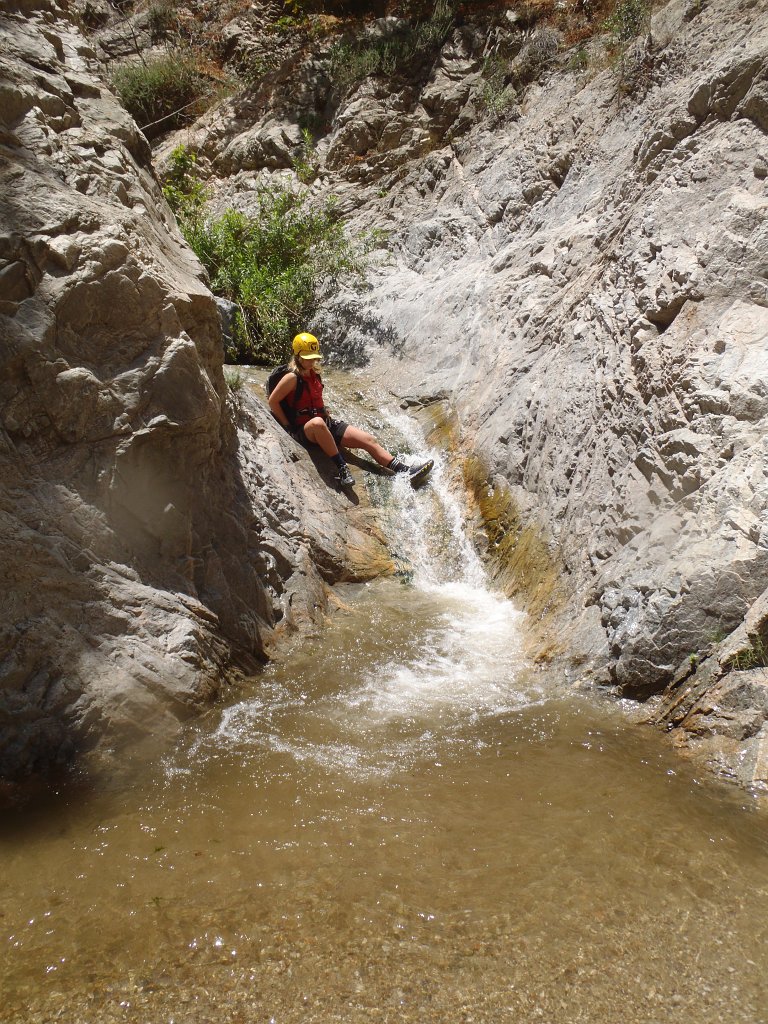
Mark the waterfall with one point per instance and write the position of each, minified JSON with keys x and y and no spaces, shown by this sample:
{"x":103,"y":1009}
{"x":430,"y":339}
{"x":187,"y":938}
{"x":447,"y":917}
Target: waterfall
{"x":417,"y":659}
{"x":427,"y":524}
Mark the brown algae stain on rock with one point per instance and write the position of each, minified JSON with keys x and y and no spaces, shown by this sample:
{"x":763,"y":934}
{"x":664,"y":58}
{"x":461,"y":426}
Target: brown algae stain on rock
{"x":518,"y":557}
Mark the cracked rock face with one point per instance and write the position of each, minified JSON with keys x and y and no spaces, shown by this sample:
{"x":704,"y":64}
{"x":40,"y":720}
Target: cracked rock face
{"x":585,"y":280}
{"x":150,"y":530}
{"x":592,"y":277}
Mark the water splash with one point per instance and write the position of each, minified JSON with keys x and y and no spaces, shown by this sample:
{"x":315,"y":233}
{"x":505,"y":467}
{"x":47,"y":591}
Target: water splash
{"x":398,"y":681}
{"x":429,"y":523}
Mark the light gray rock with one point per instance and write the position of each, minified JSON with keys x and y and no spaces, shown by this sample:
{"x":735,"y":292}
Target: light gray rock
{"x":589,"y":283}
{"x":154,"y":533}
{"x":584,"y":284}
{"x":718,"y":701}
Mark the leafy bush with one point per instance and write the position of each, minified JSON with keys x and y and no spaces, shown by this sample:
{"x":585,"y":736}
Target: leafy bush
{"x":496,"y":95}
{"x":628,"y":19}
{"x":234,"y":380}
{"x":185,"y":193}
{"x":163,"y":87}
{"x":579,"y":60}
{"x":276,"y":266}
{"x":352,"y":62}
{"x":305,"y":164}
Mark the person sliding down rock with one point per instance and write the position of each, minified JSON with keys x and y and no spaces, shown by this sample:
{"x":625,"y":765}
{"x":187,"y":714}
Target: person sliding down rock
{"x":296,"y":402}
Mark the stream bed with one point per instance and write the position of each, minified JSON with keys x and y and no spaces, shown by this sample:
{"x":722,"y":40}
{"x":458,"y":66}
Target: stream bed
{"x":400,"y":823}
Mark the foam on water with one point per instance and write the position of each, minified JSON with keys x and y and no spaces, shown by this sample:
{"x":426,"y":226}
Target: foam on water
{"x":465,"y":663}
{"x":460,"y":658}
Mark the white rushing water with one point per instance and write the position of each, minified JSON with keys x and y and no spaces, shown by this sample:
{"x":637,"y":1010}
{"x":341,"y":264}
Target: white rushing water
{"x":427,"y":525}
{"x":417,"y":660}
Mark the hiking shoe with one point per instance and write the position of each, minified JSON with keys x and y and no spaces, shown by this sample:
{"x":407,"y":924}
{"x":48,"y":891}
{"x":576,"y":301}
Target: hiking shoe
{"x":344,"y":478}
{"x":419,"y":471}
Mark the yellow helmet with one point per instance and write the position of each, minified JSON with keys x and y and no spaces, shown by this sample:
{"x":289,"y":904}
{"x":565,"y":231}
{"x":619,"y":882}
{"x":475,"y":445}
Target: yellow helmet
{"x":307,"y":346}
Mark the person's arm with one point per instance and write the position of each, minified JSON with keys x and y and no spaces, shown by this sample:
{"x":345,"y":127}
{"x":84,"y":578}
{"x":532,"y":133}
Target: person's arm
{"x":285,"y":387}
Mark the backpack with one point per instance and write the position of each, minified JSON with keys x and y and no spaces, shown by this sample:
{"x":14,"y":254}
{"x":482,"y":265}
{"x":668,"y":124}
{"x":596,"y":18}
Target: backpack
{"x":288,"y":407}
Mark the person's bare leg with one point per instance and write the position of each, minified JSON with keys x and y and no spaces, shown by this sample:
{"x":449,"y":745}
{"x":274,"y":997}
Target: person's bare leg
{"x":316,"y":430}
{"x":356,"y":438}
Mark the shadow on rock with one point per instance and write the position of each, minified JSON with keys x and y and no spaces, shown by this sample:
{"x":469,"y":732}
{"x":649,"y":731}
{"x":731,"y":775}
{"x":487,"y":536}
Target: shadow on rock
{"x":326,"y":470}
{"x":350,"y":331}
{"x":366,"y":464}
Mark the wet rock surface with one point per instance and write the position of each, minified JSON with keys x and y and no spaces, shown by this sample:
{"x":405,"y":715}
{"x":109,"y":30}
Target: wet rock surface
{"x":577,"y":277}
{"x":584,"y":274}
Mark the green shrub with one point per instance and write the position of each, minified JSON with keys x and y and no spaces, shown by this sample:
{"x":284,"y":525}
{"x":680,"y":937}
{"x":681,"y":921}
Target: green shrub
{"x":277,"y":266}
{"x":579,"y":60}
{"x":352,"y":62}
{"x":755,"y":655}
{"x":234,"y":380}
{"x":305,"y":164}
{"x":250,"y":68}
{"x":185,"y":193}
{"x":163,"y":87}
{"x":628,"y":19}
{"x":496,"y":96}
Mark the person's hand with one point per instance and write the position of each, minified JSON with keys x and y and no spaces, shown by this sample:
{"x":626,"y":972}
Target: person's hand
{"x":292,"y":431}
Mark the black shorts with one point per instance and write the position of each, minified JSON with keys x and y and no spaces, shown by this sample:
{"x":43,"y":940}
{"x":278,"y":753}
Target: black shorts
{"x":337,"y":428}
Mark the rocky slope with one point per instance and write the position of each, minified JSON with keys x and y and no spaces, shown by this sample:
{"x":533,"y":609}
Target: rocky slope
{"x":154,"y":529}
{"x":581,"y":281}
{"x":574,"y":280}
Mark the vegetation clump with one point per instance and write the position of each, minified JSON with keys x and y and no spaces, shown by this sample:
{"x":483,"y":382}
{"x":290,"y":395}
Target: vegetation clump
{"x":161,"y":17}
{"x":753,"y":655}
{"x":497,"y":95}
{"x":628,"y":19}
{"x":305,"y":164}
{"x":234,"y":380}
{"x":276,"y":265}
{"x":185,"y":193}
{"x":579,"y":60}
{"x":162,"y":91}
{"x":351,"y":62}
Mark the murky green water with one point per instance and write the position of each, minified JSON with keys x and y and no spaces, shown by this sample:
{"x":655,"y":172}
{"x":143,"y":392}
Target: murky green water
{"x":401,"y":824}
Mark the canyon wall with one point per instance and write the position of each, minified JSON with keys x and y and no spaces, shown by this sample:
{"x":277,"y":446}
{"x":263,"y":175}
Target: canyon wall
{"x":579,"y":276}
{"x":155,"y":529}
{"x":574,"y":274}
